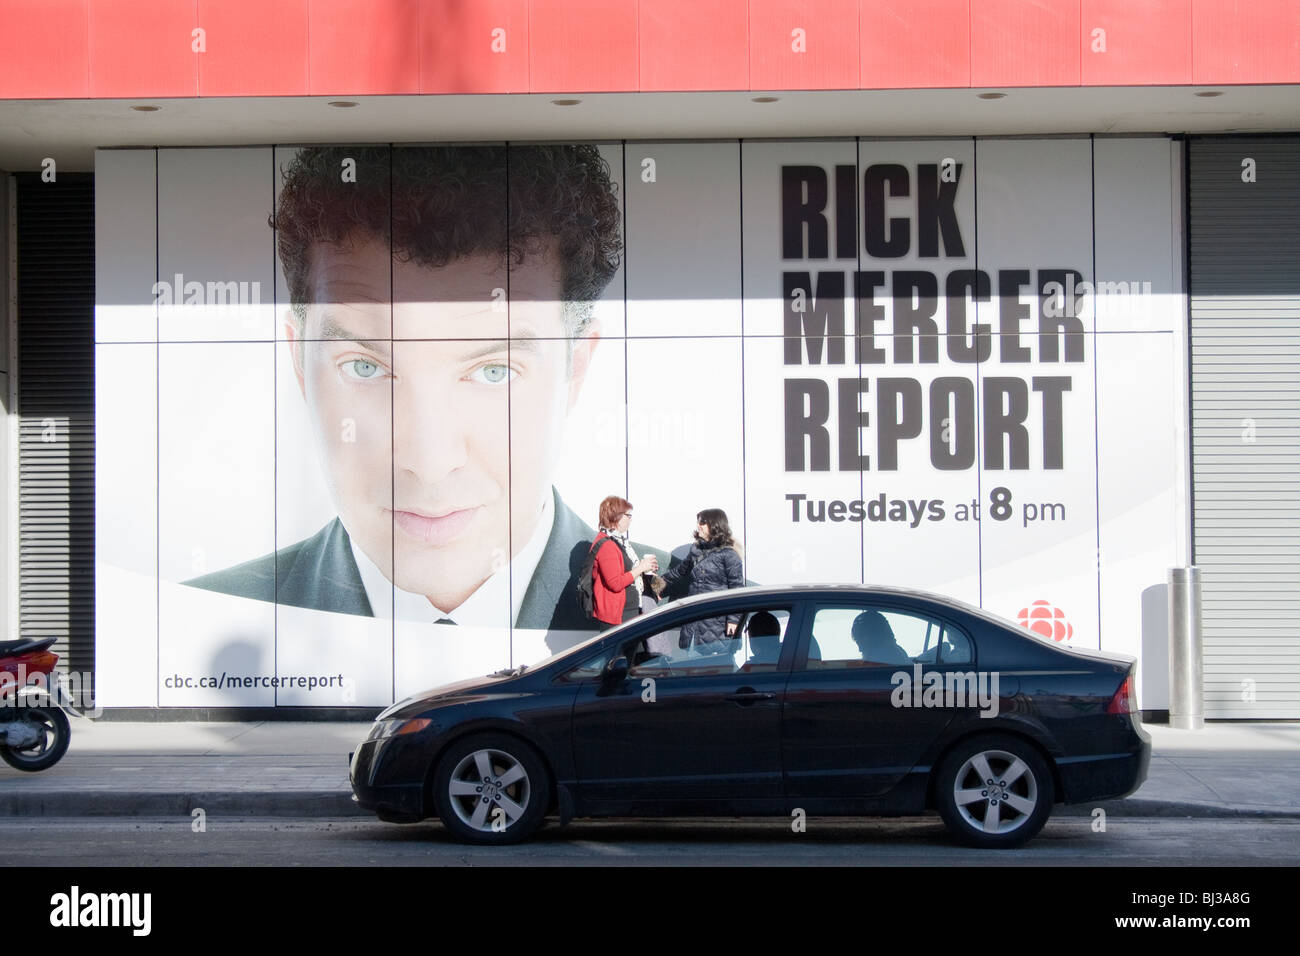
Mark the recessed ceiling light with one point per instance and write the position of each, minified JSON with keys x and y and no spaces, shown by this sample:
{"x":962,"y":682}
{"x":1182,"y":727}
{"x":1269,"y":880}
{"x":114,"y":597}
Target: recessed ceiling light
{"x":991,"y":96}
{"x":565,"y":102}
{"x":765,"y":99}
{"x":1209,"y":93}
{"x":343,"y":104}
{"x":146,"y":109}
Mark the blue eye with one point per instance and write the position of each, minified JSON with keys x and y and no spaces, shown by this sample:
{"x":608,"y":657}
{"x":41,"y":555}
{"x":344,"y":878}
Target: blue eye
{"x":494,"y":374}
{"x":360,"y":368}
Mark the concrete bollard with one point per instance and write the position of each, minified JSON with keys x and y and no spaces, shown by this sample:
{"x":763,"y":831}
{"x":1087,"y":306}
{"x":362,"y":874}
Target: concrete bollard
{"x":1186,"y":674}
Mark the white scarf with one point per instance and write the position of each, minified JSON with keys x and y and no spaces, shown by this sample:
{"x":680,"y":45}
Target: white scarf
{"x":627,"y":547}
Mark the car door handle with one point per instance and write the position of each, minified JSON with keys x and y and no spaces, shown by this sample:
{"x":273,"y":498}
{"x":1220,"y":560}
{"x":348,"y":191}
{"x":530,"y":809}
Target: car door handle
{"x":747,"y":695}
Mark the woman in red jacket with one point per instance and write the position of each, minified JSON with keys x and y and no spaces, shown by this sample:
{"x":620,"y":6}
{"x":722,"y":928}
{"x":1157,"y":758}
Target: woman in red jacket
{"x":616,"y":572}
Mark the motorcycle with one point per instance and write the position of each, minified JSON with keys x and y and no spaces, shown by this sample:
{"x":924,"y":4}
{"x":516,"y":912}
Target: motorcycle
{"x":34,"y":730}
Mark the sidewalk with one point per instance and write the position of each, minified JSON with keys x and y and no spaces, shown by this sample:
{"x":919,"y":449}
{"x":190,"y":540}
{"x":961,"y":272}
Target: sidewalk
{"x":300,"y":770}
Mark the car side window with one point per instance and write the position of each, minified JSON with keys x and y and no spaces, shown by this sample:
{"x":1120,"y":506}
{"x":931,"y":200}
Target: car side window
{"x":955,"y":648}
{"x":865,"y":636}
{"x":703,"y":648}
{"x":591,"y":667}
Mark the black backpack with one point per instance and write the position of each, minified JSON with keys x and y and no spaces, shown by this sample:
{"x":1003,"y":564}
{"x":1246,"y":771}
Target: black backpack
{"x":586,"y":585}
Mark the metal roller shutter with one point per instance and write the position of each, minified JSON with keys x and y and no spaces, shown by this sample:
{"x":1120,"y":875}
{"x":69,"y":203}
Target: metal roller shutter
{"x":56,"y":407}
{"x":1245,"y":381}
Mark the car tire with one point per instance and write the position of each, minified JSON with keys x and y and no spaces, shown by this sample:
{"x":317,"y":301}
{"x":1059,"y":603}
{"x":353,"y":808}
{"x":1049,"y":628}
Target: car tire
{"x":507,"y":807}
{"x":49,"y":749}
{"x":994,"y":791}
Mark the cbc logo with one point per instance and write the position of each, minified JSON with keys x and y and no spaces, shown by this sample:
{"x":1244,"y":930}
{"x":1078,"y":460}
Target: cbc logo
{"x":1048,"y":621}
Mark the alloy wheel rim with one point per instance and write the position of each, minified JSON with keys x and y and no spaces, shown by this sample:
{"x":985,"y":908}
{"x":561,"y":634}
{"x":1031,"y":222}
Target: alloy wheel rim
{"x":995,"y":792}
{"x":489,"y":790}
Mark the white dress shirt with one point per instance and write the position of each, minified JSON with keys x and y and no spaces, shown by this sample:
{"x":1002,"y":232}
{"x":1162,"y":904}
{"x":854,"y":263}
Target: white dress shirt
{"x":486,"y":607}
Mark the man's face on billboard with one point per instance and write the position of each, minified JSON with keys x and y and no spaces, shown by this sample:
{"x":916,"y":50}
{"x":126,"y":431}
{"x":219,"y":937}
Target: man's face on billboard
{"x":439,"y":436}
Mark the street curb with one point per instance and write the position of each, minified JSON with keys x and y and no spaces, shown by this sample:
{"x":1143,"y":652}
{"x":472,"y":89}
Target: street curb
{"x":1133,"y":807}
{"x":83,"y":803}
{"x":312,"y":804}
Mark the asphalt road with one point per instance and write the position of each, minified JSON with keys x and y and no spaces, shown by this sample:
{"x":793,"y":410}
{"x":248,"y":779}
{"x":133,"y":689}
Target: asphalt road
{"x":1066,"y":841}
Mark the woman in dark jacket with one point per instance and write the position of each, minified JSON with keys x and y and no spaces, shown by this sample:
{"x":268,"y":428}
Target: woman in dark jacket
{"x":713,"y":564}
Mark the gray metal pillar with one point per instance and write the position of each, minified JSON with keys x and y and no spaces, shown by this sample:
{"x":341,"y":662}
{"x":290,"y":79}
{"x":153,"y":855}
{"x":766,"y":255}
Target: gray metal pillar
{"x":1186,"y":677}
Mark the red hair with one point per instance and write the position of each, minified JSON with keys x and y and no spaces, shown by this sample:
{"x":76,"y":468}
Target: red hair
{"x":611,"y":509}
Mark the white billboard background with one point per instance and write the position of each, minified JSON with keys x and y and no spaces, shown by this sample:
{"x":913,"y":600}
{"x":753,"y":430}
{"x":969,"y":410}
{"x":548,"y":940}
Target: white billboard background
{"x":216,"y":508}
{"x":1035,"y":213}
{"x":206,"y":457}
{"x":942,"y":551}
{"x":779,"y":549}
{"x":685,"y":431}
{"x":1139,"y":460}
{"x":685,"y":436}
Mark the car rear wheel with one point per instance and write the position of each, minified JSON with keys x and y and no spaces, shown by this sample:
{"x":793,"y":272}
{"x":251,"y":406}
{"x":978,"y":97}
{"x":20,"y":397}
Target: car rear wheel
{"x":491,"y":789}
{"x":994,"y":792}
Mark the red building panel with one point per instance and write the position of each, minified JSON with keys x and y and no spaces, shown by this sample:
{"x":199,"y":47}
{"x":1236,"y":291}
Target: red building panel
{"x":1024,"y":43}
{"x":43,"y":49}
{"x":803,"y":44}
{"x":253,"y":50}
{"x":363,"y":47}
{"x":1136,"y":42}
{"x":1245,"y":41}
{"x":582,"y":46}
{"x":914,"y":44}
{"x":695,"y":45}
{"x":143,"y":48}
{"x":478,"y":47}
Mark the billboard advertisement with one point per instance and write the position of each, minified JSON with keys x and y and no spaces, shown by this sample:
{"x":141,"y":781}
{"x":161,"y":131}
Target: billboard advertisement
{"x":357,"y":405}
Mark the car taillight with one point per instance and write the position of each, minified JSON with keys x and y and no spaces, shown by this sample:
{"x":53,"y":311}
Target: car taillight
{"x":1122,"y":702}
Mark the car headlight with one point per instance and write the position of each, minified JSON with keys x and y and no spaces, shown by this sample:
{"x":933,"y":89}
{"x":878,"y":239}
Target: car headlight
{"x":397,"y":726}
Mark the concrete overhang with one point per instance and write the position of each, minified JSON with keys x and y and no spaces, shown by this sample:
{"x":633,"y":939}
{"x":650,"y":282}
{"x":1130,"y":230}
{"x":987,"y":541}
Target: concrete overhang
{"x":70,"y":130}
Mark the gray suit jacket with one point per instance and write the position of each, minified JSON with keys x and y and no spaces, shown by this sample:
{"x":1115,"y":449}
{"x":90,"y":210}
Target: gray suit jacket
{"x":320,"y":573}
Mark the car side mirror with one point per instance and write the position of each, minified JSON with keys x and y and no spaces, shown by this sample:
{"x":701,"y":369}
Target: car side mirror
{"x":616,"y":670}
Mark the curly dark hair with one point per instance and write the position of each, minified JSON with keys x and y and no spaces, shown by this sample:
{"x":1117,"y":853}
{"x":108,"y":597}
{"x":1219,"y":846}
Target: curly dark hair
{"x":443,"y":203}
{"x":715,"y":519}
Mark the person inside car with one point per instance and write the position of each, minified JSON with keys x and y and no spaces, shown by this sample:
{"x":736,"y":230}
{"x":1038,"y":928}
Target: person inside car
{"x":875,"y":639}
{"x":764,"y":640}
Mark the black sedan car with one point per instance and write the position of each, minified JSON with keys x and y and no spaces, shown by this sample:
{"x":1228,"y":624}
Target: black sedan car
{"x":835,"y":700}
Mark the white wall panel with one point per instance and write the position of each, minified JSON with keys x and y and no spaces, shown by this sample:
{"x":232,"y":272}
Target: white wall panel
{"x":126,"y":525}
{"x":126,"y":247}
{"x":1138,"y":515}
{"x":685,"y":438}
{"x":683,"y":239}
{"x":213,"y":206}
{"x":216,"y":509}
{"x":1035,"y":213}
{"x":1139,"y":258}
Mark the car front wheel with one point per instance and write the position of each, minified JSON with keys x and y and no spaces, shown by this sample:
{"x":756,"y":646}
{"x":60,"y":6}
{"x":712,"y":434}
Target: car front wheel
{"x":994,"y":792}
{"x":491,"y":789}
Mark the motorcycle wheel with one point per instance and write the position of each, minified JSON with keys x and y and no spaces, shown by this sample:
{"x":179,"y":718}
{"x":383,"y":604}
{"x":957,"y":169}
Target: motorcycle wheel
{"x":46,"y":751}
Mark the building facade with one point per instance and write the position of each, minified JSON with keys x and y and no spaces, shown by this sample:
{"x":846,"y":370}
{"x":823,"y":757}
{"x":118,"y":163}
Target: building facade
{"x":331,"y":323}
